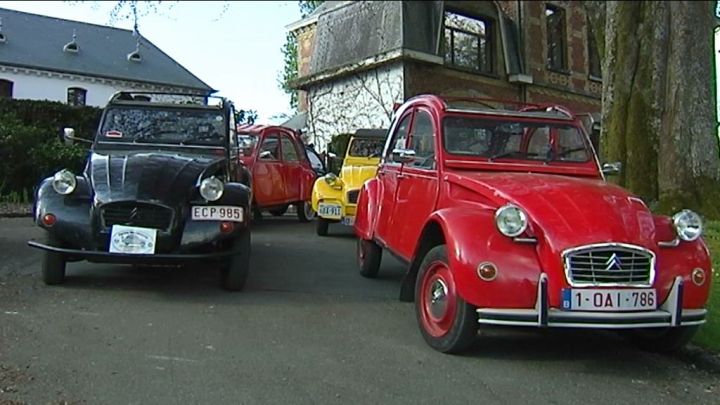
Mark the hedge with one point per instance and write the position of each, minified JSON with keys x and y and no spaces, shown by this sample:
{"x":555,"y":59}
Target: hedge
{"x":30,"y":148}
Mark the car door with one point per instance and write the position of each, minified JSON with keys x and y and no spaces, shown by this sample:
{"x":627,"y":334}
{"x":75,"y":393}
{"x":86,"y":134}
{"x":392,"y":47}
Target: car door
{"x":417,"y":186}
{"x":387,"y":175}
{"x":268,"y":185}
{"x":292,"y":170}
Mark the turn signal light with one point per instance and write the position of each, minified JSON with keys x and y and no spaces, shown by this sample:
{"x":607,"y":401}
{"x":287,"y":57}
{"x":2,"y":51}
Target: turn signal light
{"x":49,"y":219}
{"x":487,"y":271}
{"x":226,"y":227}
{"x":698,"y":276}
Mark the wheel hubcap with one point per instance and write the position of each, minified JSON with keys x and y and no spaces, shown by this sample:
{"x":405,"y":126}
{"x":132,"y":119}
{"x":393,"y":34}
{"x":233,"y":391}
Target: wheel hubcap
{"x":309,"y":213}
{"x":438,"y":299}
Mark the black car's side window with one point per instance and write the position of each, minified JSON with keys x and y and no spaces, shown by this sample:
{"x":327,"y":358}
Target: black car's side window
{"x":422,"y":141}
{"x":270,"y":148}
{"x":399,"y":139}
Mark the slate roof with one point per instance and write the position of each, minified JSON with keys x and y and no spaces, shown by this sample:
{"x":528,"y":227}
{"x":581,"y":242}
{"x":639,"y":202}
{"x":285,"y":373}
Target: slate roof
{"x":36,"y":41}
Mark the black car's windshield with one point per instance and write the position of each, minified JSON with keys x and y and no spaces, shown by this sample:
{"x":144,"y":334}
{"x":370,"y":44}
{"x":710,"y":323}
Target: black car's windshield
{"x":370,"y":148}
{"x":163,"y":125}
{"x":494,"y":139}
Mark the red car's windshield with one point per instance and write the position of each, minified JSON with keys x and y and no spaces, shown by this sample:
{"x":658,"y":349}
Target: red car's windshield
{"x":247,"y":143}
{"x":514,"y":139}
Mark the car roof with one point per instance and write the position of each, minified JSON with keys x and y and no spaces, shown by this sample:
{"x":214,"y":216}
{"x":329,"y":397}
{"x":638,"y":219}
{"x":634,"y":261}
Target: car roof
{"x":371,"y":133}
{"x":494,"y":107}
{"x":258,"y":128}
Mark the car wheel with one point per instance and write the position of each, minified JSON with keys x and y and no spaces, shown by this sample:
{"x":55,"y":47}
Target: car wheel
{"x":322,"y":227}
{"x":447,"y":323}
{"x":235,"y":269}
{"x":305,"y":212}
{"x":661,"y":340}
{"x":53,"y":264}
{"x":278,"y":212}
{"x":369,"y":255}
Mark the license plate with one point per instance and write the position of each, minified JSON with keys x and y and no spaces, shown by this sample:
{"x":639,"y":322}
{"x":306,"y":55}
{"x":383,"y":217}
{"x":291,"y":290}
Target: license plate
{"x":578,"y":299}
{"x":349,"y":221}
{"x":216,"y":213}
{"x":132,"y":240}
{"x":331,"y":211}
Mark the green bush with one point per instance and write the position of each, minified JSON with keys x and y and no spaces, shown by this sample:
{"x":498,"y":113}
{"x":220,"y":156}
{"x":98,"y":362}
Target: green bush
{"x":30,"y":147}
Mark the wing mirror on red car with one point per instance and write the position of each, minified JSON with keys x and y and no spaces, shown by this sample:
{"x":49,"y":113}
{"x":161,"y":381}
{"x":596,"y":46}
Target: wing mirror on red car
{"x":613,"y":168}
{"x":403,"y":155}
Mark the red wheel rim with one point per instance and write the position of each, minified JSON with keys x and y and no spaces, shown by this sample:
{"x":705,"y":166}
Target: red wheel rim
{"x":438,"y":300}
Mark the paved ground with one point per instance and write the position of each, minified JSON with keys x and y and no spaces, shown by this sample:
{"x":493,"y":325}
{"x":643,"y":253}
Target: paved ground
{"x":308,"y":329}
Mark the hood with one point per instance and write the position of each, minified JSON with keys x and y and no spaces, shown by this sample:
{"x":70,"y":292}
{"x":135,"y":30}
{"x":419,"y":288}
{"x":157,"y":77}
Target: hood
{"x":166,"y":177}
{"x":567,"y":211}
{"x":355,"y":175}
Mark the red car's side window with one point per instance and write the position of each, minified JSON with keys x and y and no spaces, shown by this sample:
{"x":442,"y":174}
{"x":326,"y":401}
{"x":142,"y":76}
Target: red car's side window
{"x":289,"y":151}
{"x":399,"y":139}
{"x":270,"y":148}
{"x":422,"y":141}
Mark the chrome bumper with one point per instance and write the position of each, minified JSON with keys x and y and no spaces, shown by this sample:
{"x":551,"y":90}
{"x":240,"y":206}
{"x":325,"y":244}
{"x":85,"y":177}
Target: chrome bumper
{"x":669,"y":314}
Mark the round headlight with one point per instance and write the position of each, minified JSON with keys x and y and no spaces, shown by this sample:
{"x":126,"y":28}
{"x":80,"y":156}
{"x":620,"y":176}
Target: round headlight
{"x":688,"y":225}
{"x":332,"y":180}
{"x":64,"y":182}
{"x":511,"y":221}
{"x":212,"y":188}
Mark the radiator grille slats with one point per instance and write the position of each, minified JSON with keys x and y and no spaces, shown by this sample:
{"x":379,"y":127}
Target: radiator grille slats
{"x":352,"y":196}
{"x":136,"y":214}
{"x":616,"y":265}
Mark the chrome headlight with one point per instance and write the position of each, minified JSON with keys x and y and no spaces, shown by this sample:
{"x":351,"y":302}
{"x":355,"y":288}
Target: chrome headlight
{"x":64,"y":182}
{"x":333,"y":181}
{"x":212,"y":188}
{"x":688,"y":225}
{"x":511,"y":221}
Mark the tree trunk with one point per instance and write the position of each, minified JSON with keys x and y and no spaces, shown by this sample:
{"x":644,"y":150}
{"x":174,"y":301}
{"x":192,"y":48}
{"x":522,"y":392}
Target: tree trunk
{"x":659,"y":115}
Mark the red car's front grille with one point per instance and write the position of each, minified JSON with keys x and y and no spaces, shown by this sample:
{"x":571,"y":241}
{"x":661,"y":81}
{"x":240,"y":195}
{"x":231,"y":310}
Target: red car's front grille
{"x":609,"y":264}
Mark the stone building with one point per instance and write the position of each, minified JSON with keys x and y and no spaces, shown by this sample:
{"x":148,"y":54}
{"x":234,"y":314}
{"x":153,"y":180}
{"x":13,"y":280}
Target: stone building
{"x":357,"y":58}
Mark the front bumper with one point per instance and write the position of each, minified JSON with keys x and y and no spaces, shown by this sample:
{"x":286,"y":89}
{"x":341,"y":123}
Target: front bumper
{"x":669,"y":314}
{"x":124,"y":258}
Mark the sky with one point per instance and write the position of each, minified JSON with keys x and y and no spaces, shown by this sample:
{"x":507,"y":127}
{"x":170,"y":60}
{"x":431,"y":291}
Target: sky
{"x":233,"y":46}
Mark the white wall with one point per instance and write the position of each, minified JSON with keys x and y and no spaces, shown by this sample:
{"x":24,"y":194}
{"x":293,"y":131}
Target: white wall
{"x":43,"y":85}
{"x":362,"y":100}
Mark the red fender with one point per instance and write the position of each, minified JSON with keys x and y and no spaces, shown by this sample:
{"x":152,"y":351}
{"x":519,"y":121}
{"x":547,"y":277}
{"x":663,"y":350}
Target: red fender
{"x":366,"y":214}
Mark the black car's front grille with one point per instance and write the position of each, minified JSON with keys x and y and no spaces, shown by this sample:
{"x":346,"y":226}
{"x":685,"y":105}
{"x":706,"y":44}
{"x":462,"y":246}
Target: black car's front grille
{"x":352,"y":196}
{"x":136,"y":214}
{"x":609,"y":265}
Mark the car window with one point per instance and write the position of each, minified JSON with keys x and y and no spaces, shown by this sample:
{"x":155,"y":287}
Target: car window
{"x":495,"y":139}
{"x":315,"y":160}
{"x":366,"y":147}
{"x":163,"y":125}
{"x":270,"y":148}
{"x":421,"y":141}
{"x":399,"y":138}
{"x":289,"y":151}
{"x":247,"y":143}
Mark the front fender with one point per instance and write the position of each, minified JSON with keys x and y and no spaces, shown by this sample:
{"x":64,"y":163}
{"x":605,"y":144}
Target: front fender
{"x":322,"y":191}
{"x":472,"y":238}
{"x":73,"y":226}
{"x":366,"y":212}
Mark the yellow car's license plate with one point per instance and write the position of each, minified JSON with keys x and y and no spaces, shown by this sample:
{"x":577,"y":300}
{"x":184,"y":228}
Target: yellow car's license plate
{"x":330,"y":211}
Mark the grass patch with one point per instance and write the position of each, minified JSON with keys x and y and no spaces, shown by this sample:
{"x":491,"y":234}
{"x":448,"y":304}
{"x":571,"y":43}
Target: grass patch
{"x":709,"y":334}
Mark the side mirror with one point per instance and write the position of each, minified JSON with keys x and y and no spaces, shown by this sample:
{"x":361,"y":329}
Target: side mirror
{"x":610,"y":169}
{"x":332,"y":155}
{"x":403,"y":155}
{"x":68,"y":136}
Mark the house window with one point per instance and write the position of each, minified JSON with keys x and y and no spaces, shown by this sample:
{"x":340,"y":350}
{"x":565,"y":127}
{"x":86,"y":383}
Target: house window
{"x":6,"y":88}
{"x":468,"y":42}
{"x":76,"y":96}
{"x":555,"y":22}
{"x":594,"y":68}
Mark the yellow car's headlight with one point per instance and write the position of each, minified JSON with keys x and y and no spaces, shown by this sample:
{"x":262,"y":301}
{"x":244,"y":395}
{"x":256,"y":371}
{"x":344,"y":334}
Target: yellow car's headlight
{"x":333,"y":181}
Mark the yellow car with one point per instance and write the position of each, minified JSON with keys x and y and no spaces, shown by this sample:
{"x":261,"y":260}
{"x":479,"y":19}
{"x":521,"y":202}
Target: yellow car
{"x":334,"y":198}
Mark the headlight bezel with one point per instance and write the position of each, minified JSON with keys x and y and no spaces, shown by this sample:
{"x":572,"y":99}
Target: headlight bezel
{"x":332,"y":180}
{"x":680,"y":224}
{"x":207,"y":187}
{"x":510,"y":209}
{"x":64,"y":176}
